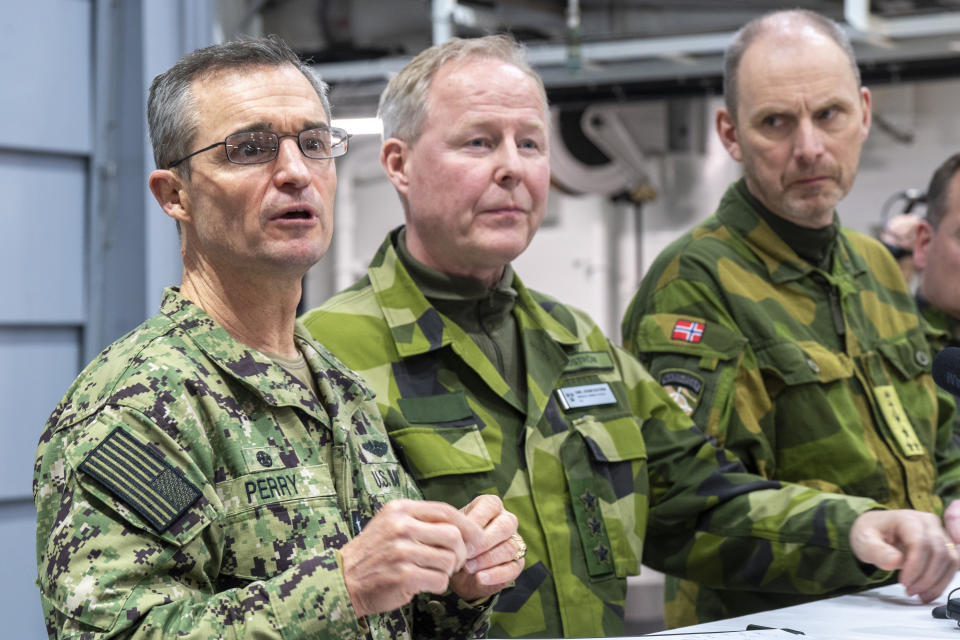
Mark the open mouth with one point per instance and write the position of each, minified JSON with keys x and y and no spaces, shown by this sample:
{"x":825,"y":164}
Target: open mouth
{"x":299,"y":214}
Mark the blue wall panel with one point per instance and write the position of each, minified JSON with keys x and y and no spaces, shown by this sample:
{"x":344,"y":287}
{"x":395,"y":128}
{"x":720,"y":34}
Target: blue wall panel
{"x":45,"y":63}
{"x":20,"y":602}
{"x":41,"y":247}
{"x":38,"y":366}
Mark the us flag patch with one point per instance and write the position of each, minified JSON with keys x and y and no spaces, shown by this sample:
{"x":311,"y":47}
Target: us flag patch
{"x":140,"y":478}
{"x":687,"y":330}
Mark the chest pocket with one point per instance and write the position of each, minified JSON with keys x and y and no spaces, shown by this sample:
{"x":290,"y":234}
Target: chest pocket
{"x":277,"y":518}
{"x":443,"y":437}
{"x":609,"y":489}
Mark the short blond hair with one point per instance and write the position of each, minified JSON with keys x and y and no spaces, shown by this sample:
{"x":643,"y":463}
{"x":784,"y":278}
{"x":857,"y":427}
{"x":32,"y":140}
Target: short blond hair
{"x":404,"y":102}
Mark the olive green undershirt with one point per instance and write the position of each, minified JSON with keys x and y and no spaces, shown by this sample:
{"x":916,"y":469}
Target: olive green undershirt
{"x":485,"y":314}
{"x":813,"y":245}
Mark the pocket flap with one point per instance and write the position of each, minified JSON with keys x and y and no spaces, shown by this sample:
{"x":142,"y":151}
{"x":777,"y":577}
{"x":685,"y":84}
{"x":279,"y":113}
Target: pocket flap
{"x":804,"y":362}
{"x":447,"y":407}
{"x":614,"y":440}
{"x":432,"y":451}
{"x":910,"y":356}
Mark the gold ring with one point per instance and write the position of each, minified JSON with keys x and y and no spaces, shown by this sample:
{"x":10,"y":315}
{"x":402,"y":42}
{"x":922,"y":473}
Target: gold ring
{"x":951,"y":546}
{"x":521,"y":546}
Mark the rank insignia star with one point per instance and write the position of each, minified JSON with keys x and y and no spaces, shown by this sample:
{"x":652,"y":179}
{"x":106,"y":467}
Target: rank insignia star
{"x":602,"y":553}
{"x":589,"y":500}
{"x":596,"y":527}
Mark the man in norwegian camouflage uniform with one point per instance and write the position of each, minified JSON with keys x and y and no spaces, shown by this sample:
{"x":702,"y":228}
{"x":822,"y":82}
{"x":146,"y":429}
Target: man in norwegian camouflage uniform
{"x":792,"y":341}
{"x":216,"y":472}
{"x":488,"y":387}
{"x":936,"y":252}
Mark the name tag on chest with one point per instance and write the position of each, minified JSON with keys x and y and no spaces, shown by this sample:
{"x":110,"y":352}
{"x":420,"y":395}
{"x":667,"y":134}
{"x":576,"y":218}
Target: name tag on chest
{"x":586,"y":395}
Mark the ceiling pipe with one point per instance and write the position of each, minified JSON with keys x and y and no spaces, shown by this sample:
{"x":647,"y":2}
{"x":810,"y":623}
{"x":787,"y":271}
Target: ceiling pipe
{"x":857,"y":14}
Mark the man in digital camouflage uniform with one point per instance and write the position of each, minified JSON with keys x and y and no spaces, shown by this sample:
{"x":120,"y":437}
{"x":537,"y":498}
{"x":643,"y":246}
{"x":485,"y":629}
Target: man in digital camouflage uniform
{"x":937,"y":256}
{"x":791,"y":340}
{"x":488,"y":387}
{"x":216,"y":472}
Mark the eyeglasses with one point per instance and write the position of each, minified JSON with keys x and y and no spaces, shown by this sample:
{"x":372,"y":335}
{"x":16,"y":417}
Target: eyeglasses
{"x":257,"y":147}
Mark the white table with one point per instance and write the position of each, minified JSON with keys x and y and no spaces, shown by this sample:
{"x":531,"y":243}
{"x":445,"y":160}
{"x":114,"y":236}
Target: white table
{"x":885,"y":612}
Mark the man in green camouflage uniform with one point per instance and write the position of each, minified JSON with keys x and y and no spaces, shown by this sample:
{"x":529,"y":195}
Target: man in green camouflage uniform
{"x":937,"y":256}
{"x":792,"y":341}
{"x":216,"y":472}
{"x":487,"y":387}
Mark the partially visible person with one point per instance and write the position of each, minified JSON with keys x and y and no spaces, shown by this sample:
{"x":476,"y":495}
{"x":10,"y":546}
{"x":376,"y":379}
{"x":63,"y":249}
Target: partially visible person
{"x":793,"y":341}
{"x":936,"y":251}
{"x":216,"y":472}
{"x":898,"y":235}
{"x":488,"y":387}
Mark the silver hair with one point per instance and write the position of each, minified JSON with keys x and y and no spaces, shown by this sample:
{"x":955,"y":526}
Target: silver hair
{"x":172,"y":109}
{"x":404,"y":102}
{"x":758,"y":27}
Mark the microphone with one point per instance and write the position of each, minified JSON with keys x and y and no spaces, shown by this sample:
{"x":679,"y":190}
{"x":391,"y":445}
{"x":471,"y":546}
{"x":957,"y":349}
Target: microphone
{"x":946,"y":370}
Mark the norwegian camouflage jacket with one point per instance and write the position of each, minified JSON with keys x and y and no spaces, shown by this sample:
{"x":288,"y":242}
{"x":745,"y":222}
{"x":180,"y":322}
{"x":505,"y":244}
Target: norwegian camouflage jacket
{"x":186,"y":486}
{"x":943,"y":330}
{"x":600,"y":467}
{"x":816,"y":377}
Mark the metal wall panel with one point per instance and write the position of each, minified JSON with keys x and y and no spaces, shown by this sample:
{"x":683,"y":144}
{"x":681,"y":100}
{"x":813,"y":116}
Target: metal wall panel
{"x":45,"y":64}
{"x":19,"y":598}
{"x":41,"y":248}
{"x":38,"y":366}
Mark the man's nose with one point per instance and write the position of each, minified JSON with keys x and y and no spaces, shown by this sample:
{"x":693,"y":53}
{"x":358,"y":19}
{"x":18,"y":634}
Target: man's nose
{"x":509,"y":168}
{"x":291,"y":165}
{"x":808,"y":143}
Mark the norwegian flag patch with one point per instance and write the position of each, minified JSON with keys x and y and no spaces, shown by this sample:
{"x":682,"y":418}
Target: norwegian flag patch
{"x":687,"y":331}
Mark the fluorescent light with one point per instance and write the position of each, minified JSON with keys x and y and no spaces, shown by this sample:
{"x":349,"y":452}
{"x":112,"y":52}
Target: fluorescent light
{"x":359,"y":126}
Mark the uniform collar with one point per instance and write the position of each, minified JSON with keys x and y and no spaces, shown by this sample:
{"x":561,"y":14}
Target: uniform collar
{"x":274,"y":384}
{"x":417,"y":327}
{"x":740,"y":212}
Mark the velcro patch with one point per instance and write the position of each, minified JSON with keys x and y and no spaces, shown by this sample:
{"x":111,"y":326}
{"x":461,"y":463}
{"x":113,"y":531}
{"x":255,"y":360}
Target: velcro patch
{"x":687,"y":331}
{"x":684,"y":388}
{"x":141,"y":478}
{"x":588,"y":360}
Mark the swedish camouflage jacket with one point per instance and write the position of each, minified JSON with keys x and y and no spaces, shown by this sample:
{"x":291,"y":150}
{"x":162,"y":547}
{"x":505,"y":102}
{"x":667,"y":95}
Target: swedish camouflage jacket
{"x":186,"y":486}
{"x":816,"y":377}
{"x":600,"y":467}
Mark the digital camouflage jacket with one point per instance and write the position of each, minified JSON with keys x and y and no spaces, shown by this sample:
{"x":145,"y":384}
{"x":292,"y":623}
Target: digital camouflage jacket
{"x":186,"y":486}
{"x":814,"y":377}
{"x":599,"y":466}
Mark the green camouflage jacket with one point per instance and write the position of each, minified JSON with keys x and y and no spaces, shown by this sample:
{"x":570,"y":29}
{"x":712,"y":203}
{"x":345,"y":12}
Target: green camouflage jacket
{"x":819,"y":378}
{"x":598,"y":465}
{"x":189,"y":487}
{"x":943,"y":330}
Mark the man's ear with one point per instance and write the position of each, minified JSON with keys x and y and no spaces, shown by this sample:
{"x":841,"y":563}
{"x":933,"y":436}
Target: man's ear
{"x":394,"y":156}
{"x":865,"y":101}
{"x":921,"y":244}
{"x":727,"y":130}
{"x":167,"y":188}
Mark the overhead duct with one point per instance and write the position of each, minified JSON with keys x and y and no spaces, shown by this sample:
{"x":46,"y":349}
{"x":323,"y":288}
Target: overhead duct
{"x":607,"y":149}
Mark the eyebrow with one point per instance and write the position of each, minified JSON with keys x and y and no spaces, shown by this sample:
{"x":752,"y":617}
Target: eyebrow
{"x":266,"y":126}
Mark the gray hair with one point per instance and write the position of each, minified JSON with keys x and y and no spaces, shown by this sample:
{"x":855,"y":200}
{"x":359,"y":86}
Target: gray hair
{"x":172,"y":109}
{"x":404,"y":103}
{"x":938,"y":191}
{"x":758,"y":27}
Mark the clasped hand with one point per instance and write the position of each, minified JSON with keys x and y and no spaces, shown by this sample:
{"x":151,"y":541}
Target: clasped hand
{"x":412,"y":546}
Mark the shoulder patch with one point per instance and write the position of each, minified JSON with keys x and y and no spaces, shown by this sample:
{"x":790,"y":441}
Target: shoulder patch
{"x":687,"y":331}
{"x":141,"y":478}
{"x":683,"y":387}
